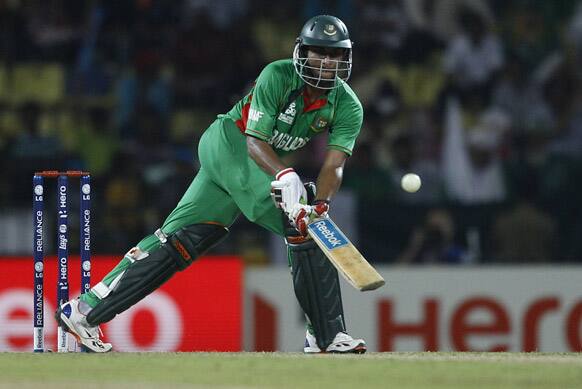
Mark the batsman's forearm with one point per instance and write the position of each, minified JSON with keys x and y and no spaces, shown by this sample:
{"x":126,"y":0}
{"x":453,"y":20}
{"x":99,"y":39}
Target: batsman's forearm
{"x":262,"y":153}
{"x":330,"y":175}
{"x":329,"y":182}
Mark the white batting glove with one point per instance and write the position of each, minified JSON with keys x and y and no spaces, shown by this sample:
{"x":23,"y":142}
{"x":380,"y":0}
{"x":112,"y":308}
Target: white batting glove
{"x":291,"y":190}
{"x":301,"y":214}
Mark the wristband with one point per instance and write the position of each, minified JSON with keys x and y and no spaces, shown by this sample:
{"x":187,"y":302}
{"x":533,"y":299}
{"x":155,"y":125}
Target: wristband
{"x":281,"y":173}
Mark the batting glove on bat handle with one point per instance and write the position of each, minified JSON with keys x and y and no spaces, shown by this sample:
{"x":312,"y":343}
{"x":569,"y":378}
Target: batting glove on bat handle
{"x":302,"y":215}
{"x":288,"y":190}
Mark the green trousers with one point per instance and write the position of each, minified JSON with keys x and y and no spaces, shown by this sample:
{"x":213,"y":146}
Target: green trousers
{"x":228,"y":183}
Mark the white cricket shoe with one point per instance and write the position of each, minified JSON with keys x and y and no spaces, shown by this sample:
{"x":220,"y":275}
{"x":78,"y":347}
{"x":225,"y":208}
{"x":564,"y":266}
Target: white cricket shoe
{"x":342,"y":344}
{"x":75,"y":323}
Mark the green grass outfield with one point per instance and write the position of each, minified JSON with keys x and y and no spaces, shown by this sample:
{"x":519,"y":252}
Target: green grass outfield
{"x":291,"y":370}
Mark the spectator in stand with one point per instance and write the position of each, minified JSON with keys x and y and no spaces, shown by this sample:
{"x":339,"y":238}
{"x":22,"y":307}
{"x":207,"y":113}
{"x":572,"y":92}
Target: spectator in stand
{"x":5,"y":185}
{"x":144,"y":84}
{"x":472,"y":167}
{"x":207,"y":41}
{"x":529,"y":33}
{"x":123,"y":200}
{"x":383,"y":27}
{"x":406,"y":159}
{"x":524,"y":233}
{"x":222,"y":13}
{"x":271,"y":28}
{"x":473,"y":57}
{"x":32,"y":143}
{"x":433,"y":242}
{"x":96,"y":142}
{"x":568,"y":141}
{"x":520,"y":97}
{"x":16,"y":42}
{"x":55,"y":28}
{"x":32,"y":150}
{"x":561,"y":80}
{"x":369,"y":181}
{"x":442,"y":16}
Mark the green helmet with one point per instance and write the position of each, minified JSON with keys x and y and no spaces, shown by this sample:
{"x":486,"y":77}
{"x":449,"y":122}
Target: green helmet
{"x":329,"y":32}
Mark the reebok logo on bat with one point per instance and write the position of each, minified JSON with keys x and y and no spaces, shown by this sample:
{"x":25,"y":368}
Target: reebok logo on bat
{"x":330,"y":236}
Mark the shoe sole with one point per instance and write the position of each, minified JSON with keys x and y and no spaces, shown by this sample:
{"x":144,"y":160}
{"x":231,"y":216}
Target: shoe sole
{"x":65,"y":324}
{"x":359,"y":349}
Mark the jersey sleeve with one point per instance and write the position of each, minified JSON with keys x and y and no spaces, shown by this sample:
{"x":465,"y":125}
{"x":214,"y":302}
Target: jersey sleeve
{"x":346,"y":125}
{"x":265,"y":103}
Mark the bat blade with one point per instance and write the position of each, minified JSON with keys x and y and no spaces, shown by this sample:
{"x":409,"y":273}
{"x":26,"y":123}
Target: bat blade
{"x":344,"y":255}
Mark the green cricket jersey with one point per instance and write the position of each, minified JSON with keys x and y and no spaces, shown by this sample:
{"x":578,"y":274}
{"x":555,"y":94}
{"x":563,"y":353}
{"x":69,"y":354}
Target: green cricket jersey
{"x":275,"y":110}
{"x":229,"y":181}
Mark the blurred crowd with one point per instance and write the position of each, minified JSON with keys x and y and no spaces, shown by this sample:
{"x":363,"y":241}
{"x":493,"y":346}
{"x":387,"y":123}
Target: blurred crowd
{"x":481,"y":99}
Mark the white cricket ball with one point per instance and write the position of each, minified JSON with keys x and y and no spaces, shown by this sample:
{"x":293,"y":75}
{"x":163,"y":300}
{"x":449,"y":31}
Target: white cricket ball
{"x":410,"y":182}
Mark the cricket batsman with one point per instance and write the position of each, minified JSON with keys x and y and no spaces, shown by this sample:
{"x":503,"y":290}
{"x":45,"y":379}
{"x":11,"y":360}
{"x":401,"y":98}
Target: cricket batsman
{"x":291,"y":101}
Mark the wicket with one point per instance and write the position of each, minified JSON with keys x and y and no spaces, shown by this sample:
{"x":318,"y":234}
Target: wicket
{"x":62,"y":247}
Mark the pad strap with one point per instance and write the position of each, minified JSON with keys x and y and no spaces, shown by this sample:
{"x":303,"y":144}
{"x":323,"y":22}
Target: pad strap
{"x":188,"y":243}
{"x":150,"y":270}
{"x":101,"y":290}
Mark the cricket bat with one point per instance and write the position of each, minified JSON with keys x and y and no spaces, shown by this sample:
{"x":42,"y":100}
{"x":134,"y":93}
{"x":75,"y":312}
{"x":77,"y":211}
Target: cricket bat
{"x":343,"y":254}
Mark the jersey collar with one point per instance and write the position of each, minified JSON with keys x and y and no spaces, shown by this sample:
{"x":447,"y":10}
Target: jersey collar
{"x":317,"y":104}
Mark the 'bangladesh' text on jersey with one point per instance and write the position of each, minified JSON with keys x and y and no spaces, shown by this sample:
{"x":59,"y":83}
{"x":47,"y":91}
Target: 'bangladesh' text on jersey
{"x":286,"y":142}
{"x":276,"y":111}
